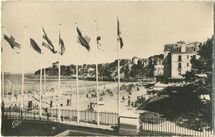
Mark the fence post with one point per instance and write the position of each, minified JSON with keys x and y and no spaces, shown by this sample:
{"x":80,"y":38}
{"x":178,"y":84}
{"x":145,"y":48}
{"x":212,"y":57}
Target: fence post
{"x":2,"y":110}
{"x":108,"y":118}
{"x":86,"y":116}
{"x":56,"y":114}
{"x":61,"y":114}
{"x":117,"y":115}
{"x":161,"y":125}
{"x":21,"y":115}
{"x":112,"y":118}
{"x":34,"y":115}
{"x":47,"y":116}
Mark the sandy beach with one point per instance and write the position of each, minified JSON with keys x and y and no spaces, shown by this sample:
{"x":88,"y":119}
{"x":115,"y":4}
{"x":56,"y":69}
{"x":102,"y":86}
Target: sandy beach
{"x":68,"y":89}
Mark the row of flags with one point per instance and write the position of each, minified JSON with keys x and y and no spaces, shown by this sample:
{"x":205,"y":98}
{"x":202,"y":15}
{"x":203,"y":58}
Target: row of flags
{"x":83,"y":40}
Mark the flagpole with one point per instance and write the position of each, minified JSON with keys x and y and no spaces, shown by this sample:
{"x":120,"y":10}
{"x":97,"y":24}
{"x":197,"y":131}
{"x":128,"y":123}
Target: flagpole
{"x":77,"y":84}
{"x":3,"y":92}
{"x":59,"y":90}
{"x":97,"y":83}
{"x":59,"y":83}
{"x":40,"y":104}
{"x":23,"y":73}
{"x":77,"y":92}
{"x":97,"y":91}
{"x":22,"y":92}
{"x":118,"y":67}
{"x":41,"y":86}
{"x":2,"y":70}
{"x":44,"y":78}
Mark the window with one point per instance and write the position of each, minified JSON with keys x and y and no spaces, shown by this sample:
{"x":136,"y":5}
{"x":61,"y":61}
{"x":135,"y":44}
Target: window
{"x":179,"y":72}
{"x":179,"y":65}
{"x":179,"y":57}
{"x":187,"y":56}
{"x":188,"y":64}
{"x":194,"y":56}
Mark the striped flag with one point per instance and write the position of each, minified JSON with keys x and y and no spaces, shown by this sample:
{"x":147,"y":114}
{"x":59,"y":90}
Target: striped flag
{"x":48,"y":44}
{"x":83,"y":40}
{"x":11,"y":40}
{"x":119,"y":34}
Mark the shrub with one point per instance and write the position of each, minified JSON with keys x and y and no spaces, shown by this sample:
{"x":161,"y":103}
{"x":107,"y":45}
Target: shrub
{"x":66,"y":117}
{"x":151,"y":117}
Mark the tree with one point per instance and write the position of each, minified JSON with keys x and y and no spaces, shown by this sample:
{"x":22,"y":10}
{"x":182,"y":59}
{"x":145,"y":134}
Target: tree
{"x":137,"y":69}
{"x":204,"y":63}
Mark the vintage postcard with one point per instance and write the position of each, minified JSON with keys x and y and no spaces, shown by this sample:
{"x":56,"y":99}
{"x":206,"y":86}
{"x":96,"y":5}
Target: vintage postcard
{"x":107,"y":68}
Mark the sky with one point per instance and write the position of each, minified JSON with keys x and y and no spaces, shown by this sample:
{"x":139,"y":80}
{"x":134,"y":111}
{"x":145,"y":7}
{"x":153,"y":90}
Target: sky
{"x":145,"y":27}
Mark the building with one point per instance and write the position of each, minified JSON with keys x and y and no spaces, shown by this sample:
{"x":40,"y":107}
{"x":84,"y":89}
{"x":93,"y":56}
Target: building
{"x":144,"y":61}
{"x":135,"y":60}
{"x":177,"y":58}
{"x":156,"y":65}
{"x":158,"y":70}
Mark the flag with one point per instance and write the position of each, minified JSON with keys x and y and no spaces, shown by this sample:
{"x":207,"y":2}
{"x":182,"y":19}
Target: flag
{"x":84,"y":41}
{"x":49,"y":44}
{"x":61,"y":44}
{"x":121,"y":42}
{"x":99,"y":45}
{"x":35,"y":46}
{"x":11,"y":40}
{"x":119,"y":34}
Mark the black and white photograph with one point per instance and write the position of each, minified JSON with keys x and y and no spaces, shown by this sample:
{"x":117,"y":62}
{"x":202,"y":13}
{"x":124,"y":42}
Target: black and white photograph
{"x":107,"y":68}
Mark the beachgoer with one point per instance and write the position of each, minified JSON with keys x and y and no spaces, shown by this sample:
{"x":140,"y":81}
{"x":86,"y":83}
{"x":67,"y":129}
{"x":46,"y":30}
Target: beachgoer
{"x":129,"y":102}
{"x":129,"y":96}
{"x":123,"y":97}
{"x":51,"y":103}
{"x":61,"y":118}
{"x":67,"y":102}
{"x":132,"y":103}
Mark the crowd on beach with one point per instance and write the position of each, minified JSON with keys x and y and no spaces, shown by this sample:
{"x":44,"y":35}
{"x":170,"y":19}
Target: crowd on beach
{"x":131,"y":93}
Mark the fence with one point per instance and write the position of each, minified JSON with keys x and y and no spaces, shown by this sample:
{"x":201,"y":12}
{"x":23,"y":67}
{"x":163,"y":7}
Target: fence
{"x":161,"y":126}
{"x":148,"y":126}
{"x":106,"y":118}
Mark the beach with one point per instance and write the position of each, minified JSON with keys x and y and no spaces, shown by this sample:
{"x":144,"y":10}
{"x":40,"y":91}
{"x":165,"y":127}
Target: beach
{"x":87,"y":94}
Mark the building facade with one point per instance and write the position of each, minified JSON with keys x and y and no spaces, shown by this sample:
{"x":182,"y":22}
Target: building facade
{"x":177,"y":58}
{"x":156,"y":65}
{"x":135,"y":60}
{"x":158,"y":70}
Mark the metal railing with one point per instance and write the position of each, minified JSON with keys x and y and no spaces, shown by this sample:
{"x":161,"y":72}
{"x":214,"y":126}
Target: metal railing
{"x":161,"y":126}
{"x":106,"y":118}
{"x":148,"y":126}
